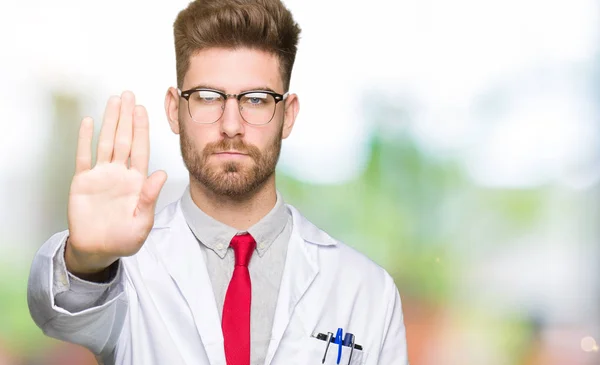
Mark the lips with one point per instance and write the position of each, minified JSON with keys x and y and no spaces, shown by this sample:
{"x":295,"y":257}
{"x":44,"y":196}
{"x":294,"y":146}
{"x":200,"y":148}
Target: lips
{"x":230,"y":153}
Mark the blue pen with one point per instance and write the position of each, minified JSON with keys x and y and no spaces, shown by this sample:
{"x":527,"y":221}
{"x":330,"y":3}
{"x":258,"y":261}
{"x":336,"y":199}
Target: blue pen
{"x":347,"y":339}
{"x":338,"y":340}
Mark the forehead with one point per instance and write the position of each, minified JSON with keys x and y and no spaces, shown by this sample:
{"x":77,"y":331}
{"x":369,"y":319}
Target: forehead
{"x":233,"y":70}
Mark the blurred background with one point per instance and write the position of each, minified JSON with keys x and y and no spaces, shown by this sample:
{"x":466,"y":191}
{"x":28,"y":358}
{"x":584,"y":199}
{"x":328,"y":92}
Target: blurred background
{"x":456,"y":143}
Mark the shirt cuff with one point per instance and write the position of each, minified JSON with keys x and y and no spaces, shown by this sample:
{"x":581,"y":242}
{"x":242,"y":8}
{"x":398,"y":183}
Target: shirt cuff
{"x":75,"y":294}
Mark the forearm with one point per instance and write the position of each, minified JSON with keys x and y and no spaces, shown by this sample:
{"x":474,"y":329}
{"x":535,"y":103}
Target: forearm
{"x":71,"y":309}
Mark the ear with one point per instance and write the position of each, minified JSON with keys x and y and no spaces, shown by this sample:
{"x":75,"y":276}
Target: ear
{"x":292,"y":107}
{"x":172,"y":100}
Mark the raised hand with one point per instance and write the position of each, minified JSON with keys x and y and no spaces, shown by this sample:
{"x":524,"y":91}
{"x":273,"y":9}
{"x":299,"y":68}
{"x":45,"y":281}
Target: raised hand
{"x":111,"y":206}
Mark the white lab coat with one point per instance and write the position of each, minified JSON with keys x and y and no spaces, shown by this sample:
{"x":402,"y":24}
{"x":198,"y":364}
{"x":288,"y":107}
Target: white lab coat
{"x":163,"y":311}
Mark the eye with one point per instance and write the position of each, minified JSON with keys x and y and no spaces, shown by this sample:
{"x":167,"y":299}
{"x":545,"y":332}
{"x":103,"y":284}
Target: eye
{"x":256,"y":99}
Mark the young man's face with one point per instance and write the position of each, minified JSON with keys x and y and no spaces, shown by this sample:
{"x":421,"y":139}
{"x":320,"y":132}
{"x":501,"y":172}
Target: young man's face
{"x":230,"y":156}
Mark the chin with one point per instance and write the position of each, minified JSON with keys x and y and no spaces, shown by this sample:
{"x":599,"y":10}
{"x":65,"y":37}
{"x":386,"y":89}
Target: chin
{"x":230,"y":180}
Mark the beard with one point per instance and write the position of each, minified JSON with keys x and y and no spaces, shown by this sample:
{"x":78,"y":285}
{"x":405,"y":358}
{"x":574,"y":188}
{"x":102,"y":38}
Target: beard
{"x":232,"y":179}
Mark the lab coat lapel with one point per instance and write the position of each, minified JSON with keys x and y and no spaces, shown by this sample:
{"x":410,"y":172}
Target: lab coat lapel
{"x":301,"y":269}
{"x":185,"y":263}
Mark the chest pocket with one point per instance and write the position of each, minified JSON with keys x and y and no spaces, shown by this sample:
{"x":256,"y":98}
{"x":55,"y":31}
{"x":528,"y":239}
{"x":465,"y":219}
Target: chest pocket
{"x":316,"y":351}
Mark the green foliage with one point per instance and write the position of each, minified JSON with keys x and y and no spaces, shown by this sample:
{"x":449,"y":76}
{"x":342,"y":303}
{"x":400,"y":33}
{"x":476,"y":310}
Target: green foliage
{"x":17,"y":331}
{"x":413,"y":214}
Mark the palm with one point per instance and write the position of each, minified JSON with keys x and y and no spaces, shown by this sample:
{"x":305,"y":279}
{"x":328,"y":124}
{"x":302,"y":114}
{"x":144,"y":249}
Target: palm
{"x":111,"y":206}
{"x":103,"y":205}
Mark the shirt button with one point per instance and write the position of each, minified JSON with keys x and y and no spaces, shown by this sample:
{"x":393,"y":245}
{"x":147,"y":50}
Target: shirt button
{"x":220,"y":246}
{"x":261,"y":246}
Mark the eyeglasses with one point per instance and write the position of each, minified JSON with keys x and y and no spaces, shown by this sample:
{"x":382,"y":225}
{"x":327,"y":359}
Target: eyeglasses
{"x":206,"y":106}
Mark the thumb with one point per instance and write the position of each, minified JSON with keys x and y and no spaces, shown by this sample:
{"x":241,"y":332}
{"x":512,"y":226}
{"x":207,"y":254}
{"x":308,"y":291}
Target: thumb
{"x":150,"y":191}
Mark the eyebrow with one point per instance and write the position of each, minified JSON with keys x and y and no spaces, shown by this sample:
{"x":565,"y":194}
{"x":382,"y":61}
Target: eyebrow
{"x":207,"y":86}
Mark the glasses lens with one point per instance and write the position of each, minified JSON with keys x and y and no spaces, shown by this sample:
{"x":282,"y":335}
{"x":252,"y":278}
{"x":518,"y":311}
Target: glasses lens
{"x":257,"y":107}
{"x":206,"y":106}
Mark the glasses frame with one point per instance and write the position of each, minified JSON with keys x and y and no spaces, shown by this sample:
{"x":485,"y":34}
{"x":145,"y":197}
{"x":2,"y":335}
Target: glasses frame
{"x":187,"y":93}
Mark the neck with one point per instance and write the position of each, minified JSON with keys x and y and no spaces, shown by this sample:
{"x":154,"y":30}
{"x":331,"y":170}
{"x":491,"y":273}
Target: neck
{"x":240,"y":213}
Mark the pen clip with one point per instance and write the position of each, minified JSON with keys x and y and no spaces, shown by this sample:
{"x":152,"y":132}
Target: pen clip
{"x":351,"y":349}
{"x":328,"y":340}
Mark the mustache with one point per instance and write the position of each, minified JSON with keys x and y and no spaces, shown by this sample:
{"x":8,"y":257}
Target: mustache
{"x":232,"y":145}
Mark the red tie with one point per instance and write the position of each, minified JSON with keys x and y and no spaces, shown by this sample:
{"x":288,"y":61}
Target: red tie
{"x":236,"y":309}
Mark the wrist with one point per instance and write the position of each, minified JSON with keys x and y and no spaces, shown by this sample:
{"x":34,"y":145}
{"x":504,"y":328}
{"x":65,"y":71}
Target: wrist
{"x":85,"y":265}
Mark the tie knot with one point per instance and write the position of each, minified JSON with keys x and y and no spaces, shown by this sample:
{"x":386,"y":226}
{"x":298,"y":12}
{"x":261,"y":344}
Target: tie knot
{"x":243,"y":245}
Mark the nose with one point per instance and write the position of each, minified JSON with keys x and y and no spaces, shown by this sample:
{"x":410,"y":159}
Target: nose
{"x":232,"y":123}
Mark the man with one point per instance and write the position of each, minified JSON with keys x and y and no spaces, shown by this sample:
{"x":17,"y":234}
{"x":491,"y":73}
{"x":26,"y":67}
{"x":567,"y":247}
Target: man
{"x":229,"y":274}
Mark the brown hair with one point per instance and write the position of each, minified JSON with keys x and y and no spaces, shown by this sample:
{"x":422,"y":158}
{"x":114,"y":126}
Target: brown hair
{"x":265,"y":25}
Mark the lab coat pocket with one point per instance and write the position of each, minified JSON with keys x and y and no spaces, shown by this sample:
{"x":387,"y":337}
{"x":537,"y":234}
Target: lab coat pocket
{"x":316,"y":351}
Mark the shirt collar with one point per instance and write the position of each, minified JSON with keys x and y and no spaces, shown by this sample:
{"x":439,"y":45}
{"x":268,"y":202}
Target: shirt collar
{"x":216,"y":235}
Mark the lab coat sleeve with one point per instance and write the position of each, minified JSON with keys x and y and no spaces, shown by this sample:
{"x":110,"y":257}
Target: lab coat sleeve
{"x":394,"y":347}
{"x":70,"y":309}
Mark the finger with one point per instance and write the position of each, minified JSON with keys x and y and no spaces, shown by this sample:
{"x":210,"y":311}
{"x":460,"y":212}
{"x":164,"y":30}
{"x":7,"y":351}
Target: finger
{"x":140,"y":146}
{"x":109,"y":126}
{"x":124,"y":128}
{"x":150,"y":191}
{"x":83,"y":158}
